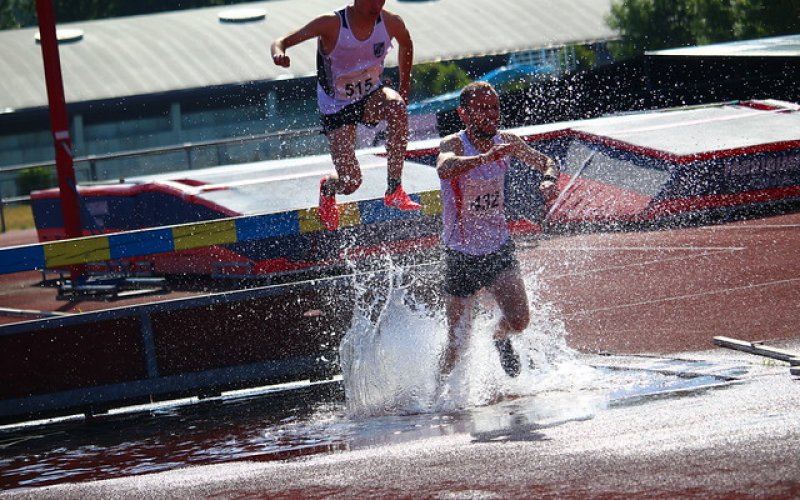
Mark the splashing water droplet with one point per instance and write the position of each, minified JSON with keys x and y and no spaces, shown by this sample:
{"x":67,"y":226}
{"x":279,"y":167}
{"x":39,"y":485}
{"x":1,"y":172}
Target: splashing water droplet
{"x":390,"y":354}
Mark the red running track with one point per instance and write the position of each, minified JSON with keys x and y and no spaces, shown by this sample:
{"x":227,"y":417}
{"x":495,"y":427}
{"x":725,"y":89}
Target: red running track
{"x":673,"y":290}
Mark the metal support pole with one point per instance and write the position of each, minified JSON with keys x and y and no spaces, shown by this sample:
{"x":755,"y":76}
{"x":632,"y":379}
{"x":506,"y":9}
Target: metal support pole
{"x":59,"y":123}
{"x":2,"y":214}
{"x":93,"y":169}
{"x":187,"y":148}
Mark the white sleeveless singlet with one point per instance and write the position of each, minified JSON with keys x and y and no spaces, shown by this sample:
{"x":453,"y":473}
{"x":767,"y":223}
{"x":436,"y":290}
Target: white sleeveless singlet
{"x":473,"y":206}
{"x":353,"y":69}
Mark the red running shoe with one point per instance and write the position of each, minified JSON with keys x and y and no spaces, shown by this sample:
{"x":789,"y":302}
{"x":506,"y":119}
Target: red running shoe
{"x":400,"y":200}
{"x":328,"y":213}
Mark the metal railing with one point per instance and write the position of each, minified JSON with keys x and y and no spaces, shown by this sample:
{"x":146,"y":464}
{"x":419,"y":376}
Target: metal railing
{"x":188,"y":148}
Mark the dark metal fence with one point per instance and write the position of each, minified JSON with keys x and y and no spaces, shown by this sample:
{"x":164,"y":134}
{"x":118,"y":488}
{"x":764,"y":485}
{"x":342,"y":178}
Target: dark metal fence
{"x":94,"y":174}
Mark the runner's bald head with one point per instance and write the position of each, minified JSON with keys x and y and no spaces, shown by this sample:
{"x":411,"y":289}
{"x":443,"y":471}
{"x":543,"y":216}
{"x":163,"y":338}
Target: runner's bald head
{"x":473,"y":89}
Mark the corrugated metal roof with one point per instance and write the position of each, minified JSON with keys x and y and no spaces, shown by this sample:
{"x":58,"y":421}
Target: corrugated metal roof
{"x":190,"y":49}
{"x":779,"y":46}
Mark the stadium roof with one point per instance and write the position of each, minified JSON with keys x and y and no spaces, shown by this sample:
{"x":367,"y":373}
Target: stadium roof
{"x":191,"y":49}
{"x":779,"y":46}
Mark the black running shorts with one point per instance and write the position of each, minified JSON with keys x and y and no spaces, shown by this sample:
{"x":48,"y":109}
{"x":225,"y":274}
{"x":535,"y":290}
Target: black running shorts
{"x":349,"y":115}
{"x":466,"y":274}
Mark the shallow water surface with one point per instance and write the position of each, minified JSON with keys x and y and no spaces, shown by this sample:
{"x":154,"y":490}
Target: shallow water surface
{"x":293,"y":421}
{"x":388,"y":362}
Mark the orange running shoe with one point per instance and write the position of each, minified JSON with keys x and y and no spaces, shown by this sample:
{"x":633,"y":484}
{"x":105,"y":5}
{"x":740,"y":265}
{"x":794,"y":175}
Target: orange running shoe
{"x":328,"y":213}
{"x":400,"y":200}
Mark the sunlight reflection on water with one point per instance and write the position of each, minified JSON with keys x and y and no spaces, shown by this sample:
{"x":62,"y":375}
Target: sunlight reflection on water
{"x":388,"y":364}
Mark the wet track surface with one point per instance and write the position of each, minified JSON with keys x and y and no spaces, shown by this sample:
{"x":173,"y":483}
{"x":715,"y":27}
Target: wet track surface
{"x":711,"y":424}
{"x":310,"y":419}
{"x":646,"y":407}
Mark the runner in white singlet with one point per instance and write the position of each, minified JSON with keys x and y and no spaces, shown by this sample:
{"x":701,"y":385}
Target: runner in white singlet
{"x":474,"y":205}
{"x":353,"y":69}
{"x":352,"y":45}
{"x":479,"y":253}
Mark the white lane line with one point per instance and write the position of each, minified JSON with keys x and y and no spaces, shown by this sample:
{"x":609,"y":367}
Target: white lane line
{"x":749,"y":226}
{"x":641,"y":248}
{"x":637,"y":264}
{"x":685,"y":297}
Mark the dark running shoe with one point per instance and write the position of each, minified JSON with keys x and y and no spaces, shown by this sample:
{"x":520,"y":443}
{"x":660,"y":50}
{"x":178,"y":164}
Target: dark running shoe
{"x":509,"y":359}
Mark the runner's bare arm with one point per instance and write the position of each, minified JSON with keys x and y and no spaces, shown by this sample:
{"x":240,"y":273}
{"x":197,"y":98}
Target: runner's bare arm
{"x":528,"y":155}
{"x":543,"y":163}
{"x":451,"y":161}
{"x":405,"y":50}
{"x":325,"y":27}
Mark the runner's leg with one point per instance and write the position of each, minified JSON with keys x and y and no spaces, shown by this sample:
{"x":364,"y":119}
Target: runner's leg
{"x":509,"y":291}
{"x":386,"y":104}
{"x":459,"y":325}
{"x":342,"y":145}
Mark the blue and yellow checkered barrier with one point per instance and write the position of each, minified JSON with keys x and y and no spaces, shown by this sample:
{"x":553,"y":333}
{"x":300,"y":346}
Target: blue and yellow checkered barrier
{"x":143,"y":242}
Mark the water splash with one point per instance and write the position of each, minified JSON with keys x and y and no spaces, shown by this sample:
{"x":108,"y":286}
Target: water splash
{"x":390,"y":354}
{"x":389,"y":359}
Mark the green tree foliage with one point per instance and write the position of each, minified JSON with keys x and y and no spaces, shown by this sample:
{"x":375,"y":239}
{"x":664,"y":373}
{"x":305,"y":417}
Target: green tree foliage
{"x":586,"y":56}
{"x":22,"y":13}
{"x":35,"y":178}
{"x":760,"y":18}
{"x":660,"y":24}
{"x":72,"y":10}
{"x":17,"y":13}
{"x":437,"y":78}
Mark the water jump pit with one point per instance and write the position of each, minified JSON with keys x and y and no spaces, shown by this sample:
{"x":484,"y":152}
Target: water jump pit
{"x":303,"y":419}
